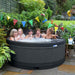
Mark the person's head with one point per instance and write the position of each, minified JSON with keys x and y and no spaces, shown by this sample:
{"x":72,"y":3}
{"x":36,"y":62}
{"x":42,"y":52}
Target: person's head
{"x":37,"y":31}
{"x":49,"y":31}
{"x":13,"y":33}
{"x":30,"y":32}
{"x":20,"y":31}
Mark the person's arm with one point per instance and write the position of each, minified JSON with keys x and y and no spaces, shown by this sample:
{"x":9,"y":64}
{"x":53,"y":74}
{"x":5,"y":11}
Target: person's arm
{"x":26,"y":36}
{"x":43,"y":35}
{"x":11,"y":38}
{"x":54,"y":36}
{"x":22,"y":37}
{"x":31,"y":37}
{"x":18,"y":38}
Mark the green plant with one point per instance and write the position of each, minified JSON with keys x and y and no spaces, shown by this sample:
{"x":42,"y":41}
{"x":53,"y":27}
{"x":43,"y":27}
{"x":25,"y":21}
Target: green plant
{"x":71,"y":29}
{"x":59,"y":6}
{"x":64,"y":6}
{"x":5,"y":54}
{"x":66,"y":36}
{"x":4,"y":49}
{"x":45,"y":25}
{"x":2,"y":35}
{"x":68,"y":5}
{"x":49,"y":12}
{"x":30,"y":9}
{"x":31,"y":5}
{"x":51,"y":4}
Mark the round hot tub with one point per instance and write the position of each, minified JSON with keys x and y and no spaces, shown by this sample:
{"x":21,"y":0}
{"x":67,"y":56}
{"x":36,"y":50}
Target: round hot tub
{"x":37,"y":54}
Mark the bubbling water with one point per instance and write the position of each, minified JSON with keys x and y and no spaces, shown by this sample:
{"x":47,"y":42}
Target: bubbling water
{"x":35,"y":40}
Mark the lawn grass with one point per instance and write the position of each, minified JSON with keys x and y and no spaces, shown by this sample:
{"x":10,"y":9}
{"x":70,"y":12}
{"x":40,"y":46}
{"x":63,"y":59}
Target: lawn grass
{"x":65,"y":22}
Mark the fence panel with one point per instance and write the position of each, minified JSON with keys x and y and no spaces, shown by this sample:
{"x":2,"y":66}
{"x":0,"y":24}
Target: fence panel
{"x":9,"y":6}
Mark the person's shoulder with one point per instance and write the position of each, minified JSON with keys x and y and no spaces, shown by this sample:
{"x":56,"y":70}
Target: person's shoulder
{"x":11,"y":38}
{"x":24,"y":35}
{"x":27,"y":35}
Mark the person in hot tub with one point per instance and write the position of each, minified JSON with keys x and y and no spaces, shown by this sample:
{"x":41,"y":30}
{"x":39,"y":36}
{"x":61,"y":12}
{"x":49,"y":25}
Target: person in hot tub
{"x":38,"y":34}
{"x":30,"y":35}
{"x":14,"y":35}
{"x":21,"y":35}
{"x":49,"y":34}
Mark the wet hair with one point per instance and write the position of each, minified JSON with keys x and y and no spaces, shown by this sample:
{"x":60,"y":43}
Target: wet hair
{"x":51,"y":30}
{"x":12,"y":32}
{"x":37,"y":29}
{"x":20,"y":29}
{"x":30,"y":30}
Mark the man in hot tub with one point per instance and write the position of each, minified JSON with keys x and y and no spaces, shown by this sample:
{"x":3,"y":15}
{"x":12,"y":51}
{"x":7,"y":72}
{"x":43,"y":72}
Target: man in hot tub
{"x":30,"y":35}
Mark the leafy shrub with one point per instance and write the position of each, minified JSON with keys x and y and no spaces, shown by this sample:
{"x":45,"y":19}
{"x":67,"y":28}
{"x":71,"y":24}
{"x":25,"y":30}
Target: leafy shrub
{"x":31,"y":9}
{"x":4,"y":49}
{"x":45,"y":25}
{"x":2,"y":36}
{"x":31,"y":5}
{"x":68,"y":30}
{"x":68,"y":5}
{"x":71,"y":29}
{"x":49,"y":12}
{"x":64,"y":6}
{"x":51,"y":4}
{"x":5,"y":54}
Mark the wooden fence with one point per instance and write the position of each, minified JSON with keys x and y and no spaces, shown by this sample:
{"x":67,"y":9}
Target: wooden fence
{"x":9,"y":6}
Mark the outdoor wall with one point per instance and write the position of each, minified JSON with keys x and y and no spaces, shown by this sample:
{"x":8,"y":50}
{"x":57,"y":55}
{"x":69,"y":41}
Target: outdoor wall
{"x":8,"y":6}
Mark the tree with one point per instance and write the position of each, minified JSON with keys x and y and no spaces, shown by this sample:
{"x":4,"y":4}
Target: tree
{"x":31,"y":5}
{"x":60,"y":5}
{"x":51,"y":4}
{"x":60,"y":2}
{"x":64,"y":5}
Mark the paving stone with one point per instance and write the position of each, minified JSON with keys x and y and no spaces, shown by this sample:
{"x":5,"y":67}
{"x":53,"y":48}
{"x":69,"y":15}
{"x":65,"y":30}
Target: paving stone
{"x":61,"y":73}
{"x":67,"y":63}
{"x":45,"y":72}
{"x":24,"y":74}
{"x":53,"y":71}
{"x":11,"y":68}
{"x":2,"y":72}
{"x":26,"y":71}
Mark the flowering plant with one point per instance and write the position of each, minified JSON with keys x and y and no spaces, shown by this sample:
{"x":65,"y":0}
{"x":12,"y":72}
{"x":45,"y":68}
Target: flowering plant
{"x":43,"y":14}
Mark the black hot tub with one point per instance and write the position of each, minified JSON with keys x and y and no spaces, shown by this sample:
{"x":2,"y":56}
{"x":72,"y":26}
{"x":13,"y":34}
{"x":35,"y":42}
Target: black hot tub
{"x":37,"y":55}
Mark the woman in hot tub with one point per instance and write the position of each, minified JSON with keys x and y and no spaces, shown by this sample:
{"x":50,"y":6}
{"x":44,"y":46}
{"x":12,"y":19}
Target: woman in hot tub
{"x":14,"y":35}
{"x":38,"y":34}
{"x":30,"y":35}
{"x":21,"y":35}
{"x":49,"y":34}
